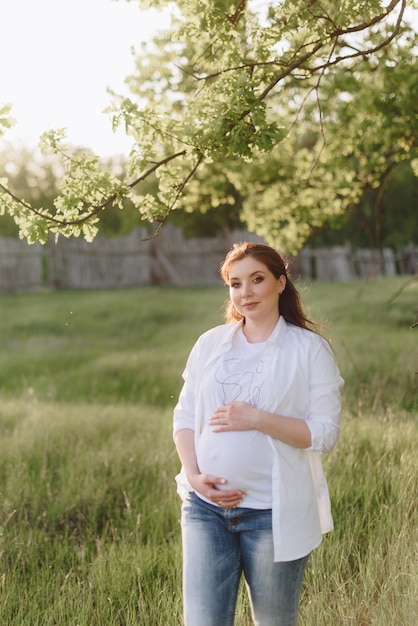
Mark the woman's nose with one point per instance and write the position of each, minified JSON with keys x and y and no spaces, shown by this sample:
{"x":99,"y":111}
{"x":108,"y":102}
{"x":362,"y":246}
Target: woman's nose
{"x":247,"y":289}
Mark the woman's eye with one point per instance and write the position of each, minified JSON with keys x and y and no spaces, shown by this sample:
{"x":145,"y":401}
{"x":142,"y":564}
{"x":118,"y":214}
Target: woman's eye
{"x":258,"y":279}
{"x":234,"y":285}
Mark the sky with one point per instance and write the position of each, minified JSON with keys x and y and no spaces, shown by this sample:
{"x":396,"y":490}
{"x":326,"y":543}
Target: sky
{"x":58,"y":57}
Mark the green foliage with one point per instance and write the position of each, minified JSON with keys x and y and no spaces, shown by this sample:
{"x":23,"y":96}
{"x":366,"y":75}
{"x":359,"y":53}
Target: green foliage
{"x":390,"y":221}
{"x":38,"y":178}
{"x":6,"y":120}
{"x":29,"y":177}
{"x":227,"y":86}
{"x":358,"y":125}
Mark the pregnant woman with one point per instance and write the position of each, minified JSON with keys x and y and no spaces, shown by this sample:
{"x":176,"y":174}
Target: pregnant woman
{"x":259,"y":404}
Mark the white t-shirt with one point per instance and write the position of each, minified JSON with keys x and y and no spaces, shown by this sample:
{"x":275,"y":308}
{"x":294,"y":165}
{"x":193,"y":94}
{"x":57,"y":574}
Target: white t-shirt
{"x":243,"y":458}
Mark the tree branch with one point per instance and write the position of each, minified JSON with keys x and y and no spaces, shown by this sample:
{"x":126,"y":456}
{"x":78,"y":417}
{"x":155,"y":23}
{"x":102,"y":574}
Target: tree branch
{"x":240,"y":9}
{"x":174,"y":202}
{"x":369,"y":51}
{"x":95,"y":209}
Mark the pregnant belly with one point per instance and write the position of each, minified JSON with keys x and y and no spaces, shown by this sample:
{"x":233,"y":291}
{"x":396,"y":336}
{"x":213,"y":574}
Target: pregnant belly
{"x":244,"y":458}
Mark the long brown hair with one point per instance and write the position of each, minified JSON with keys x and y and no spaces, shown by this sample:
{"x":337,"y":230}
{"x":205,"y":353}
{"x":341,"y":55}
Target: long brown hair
{"x":290,"y":302}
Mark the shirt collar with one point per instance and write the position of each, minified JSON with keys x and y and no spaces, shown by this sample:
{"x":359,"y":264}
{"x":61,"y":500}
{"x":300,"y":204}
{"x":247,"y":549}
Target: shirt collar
{"x":279,"y":332}
{"x":275,"y":338}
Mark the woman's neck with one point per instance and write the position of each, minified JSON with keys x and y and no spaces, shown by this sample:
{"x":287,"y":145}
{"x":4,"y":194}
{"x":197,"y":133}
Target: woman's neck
{"x":257,"y":332}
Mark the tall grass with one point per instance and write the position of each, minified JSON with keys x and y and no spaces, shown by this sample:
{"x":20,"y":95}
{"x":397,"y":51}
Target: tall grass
{"x":89,"y":528}
{"x":89,"y":517}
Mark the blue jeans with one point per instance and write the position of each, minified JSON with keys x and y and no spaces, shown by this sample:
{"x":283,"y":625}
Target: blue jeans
{"x":219,"y":545}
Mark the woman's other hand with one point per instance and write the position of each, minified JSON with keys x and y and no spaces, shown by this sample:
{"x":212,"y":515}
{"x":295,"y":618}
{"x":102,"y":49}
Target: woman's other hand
{"x":205,"y":484}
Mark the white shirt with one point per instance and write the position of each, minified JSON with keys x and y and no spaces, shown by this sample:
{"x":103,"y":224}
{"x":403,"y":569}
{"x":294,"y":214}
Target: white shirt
{"x":302,"y":381}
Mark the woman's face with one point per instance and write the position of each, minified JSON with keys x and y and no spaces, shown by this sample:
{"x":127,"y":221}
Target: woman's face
{"x":254,"y":290}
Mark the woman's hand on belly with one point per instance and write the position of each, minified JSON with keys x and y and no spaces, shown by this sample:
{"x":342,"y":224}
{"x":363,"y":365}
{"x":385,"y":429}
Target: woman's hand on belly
{"x":234,"y":416}
{"x":205,"y":484}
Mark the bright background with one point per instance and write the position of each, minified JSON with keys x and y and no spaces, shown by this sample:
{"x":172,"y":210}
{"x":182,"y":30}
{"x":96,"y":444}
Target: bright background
{"x":58,"y":57}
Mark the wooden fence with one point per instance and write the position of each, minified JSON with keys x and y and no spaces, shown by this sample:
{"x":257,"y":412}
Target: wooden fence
{"x":105,"y":263}
{"x":21,"y":265}
{"x":173,"y":260}
{"x":339,"y":263}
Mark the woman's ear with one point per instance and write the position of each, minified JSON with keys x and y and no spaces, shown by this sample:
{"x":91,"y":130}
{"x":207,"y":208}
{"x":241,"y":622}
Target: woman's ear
{"x":281,"y":283}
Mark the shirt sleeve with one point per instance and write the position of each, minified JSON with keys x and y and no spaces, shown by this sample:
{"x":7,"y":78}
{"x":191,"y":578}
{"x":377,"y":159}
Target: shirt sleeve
{"x":184,"y":411}
{"x":324,"y":412}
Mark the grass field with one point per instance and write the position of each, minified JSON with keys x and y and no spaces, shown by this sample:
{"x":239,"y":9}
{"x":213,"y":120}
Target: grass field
{"x":89,"y":521}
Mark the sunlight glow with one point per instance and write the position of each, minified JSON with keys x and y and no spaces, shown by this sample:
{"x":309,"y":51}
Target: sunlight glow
{"x":59,"y":59}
